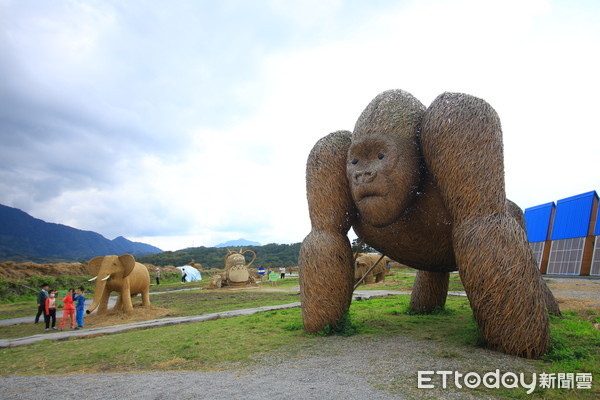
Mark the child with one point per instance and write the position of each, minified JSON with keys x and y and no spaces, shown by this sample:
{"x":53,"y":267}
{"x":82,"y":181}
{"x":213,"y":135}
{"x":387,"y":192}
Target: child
{"x":50,"y":310}
{"x":69,"y":310}
{"x":80,"y":305}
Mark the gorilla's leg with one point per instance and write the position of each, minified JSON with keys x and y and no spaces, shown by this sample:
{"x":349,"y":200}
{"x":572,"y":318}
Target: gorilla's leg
{"x":551,"y":303}
{"x":325,"y":264}
{"x":462,"y":146}
{"x":429,"y":291}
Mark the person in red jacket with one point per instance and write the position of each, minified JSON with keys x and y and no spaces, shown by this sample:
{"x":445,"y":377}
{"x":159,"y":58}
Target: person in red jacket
{"x":69,"y":310}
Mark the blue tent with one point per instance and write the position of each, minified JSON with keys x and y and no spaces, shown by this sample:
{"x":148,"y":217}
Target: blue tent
{"x":192,"y":274}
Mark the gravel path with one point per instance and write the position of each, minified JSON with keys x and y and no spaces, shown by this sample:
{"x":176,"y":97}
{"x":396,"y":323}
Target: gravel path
{"x":325,"y":368}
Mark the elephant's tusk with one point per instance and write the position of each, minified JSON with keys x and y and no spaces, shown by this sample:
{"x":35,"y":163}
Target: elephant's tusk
{"x":108,"y":276}
{"x":93,"y":279}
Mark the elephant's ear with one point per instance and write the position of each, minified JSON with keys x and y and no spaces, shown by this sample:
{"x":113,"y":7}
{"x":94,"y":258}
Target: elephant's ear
{"x":94,"y":265}
{"x":128,"y":263}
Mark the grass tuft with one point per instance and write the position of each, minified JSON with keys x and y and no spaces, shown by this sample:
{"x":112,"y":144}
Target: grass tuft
{"x":346,"y":326}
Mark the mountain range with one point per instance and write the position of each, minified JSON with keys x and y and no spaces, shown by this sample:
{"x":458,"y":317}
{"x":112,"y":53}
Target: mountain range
{"x":25,"y":238}
{"x":238,"y":243}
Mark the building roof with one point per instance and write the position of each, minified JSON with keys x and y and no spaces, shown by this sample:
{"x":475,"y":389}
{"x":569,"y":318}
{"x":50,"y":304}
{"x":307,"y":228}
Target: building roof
{"x":573,"y":216}
{"x":537,"y":221}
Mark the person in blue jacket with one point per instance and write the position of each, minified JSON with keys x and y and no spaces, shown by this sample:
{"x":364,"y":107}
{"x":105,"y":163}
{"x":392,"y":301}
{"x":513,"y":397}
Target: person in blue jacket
{"x":79,"y":307}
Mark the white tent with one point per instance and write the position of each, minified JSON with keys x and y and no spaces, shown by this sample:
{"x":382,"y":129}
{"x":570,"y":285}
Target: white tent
{"x":192,"y":274}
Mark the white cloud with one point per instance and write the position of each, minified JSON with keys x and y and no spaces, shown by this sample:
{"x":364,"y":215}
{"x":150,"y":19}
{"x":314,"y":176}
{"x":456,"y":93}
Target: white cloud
{"x":192,"y":126}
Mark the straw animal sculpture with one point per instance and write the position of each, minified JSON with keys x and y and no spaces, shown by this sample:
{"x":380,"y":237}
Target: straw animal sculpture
{"x":425,"y":187}
{"x":363,"y":264}
{"x":236,"y":270}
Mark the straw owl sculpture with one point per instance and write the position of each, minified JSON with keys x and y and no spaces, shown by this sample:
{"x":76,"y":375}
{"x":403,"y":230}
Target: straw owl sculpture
{"x":425,"y":187}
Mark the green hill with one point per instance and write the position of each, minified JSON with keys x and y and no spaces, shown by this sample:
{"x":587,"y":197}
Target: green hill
{"x":269,"y":255}
{"x":25,"y":238}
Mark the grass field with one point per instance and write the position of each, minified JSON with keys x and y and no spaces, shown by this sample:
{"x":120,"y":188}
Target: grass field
{"x":173,"y":304}
{"x":244,"y":341}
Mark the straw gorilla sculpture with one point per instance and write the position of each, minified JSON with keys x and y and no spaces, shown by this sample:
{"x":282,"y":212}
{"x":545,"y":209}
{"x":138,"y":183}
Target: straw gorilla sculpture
{"x":426,"y":188}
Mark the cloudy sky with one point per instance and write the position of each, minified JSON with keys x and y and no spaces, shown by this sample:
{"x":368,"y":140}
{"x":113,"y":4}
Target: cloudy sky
{"x":188,"y":123}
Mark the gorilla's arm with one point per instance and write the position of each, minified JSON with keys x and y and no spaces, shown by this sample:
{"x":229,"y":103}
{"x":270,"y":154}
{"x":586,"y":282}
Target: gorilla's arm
{"x":517,"y":214}
{"x":325,"y":262}
{"x":461,"y":142}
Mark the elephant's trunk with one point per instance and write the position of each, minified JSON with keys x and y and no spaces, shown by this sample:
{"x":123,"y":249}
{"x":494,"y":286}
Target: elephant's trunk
{"x":100,"y":283}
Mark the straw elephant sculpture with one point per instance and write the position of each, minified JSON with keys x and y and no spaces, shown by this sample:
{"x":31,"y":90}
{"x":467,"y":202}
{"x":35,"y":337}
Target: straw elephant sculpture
{"x":362,"y":265}
{"x":121,"y":274}
{"x":425,"y":187}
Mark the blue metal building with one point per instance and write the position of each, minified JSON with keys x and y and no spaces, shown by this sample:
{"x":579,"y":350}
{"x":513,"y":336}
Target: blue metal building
{"x":564,"y":237}
{"x":570,"y":232}
{"x":538,"y":220}
{"x":595,"y":269}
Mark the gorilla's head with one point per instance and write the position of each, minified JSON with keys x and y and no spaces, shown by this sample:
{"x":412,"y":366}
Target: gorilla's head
{"x":384,"y":174}
{"x":384,"y":163}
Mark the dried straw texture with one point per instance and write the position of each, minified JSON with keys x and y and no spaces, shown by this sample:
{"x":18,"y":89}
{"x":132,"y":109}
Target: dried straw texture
{"x":395,"y":112}
{"x":549,"y":299}
{"x":11,"y":271}
{"x":503,"y":288}
{"x":362,"y":264}
{"x":325,"y":263}
{"x":127,"y":277}
{"x":462,"y":146}
{"x":425,"y":188}
{"x":551,"y":303}
{"x":429,"y":291}
{"x":461,"y":140}
{"x":236,"y":270}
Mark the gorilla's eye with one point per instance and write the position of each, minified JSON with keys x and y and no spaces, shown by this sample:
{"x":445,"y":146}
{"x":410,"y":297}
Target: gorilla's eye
{"x":380,"y":156}
{"x":354,"y":161}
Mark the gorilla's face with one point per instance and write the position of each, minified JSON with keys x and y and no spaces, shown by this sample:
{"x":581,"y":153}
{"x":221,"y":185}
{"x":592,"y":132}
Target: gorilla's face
{"x":383,"y":172}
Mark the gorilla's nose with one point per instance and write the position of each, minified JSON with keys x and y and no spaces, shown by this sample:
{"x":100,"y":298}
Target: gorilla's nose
{"x":362,"y":177}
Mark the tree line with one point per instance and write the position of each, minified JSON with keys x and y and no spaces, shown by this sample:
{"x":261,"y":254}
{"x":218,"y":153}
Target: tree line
{"x":270,"y":256}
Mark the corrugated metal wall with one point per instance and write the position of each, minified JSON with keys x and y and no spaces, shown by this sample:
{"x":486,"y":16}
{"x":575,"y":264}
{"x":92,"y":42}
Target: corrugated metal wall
{"x":575,"y":226}
{"x":537,"y":221}
{"x":595,"y":269}
{"x":573,"y":216}
{"x":597,"y":228}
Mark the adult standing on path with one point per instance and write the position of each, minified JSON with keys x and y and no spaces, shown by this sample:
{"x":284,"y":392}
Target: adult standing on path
{"x":41,"y":302}
{"x":157,"y":276}
{"x":282,"y":272}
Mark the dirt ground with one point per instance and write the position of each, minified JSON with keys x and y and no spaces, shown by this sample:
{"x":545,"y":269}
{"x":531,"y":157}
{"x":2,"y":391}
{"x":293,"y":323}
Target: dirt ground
{"x":575,"y":293}
{"x":116,"y":318}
